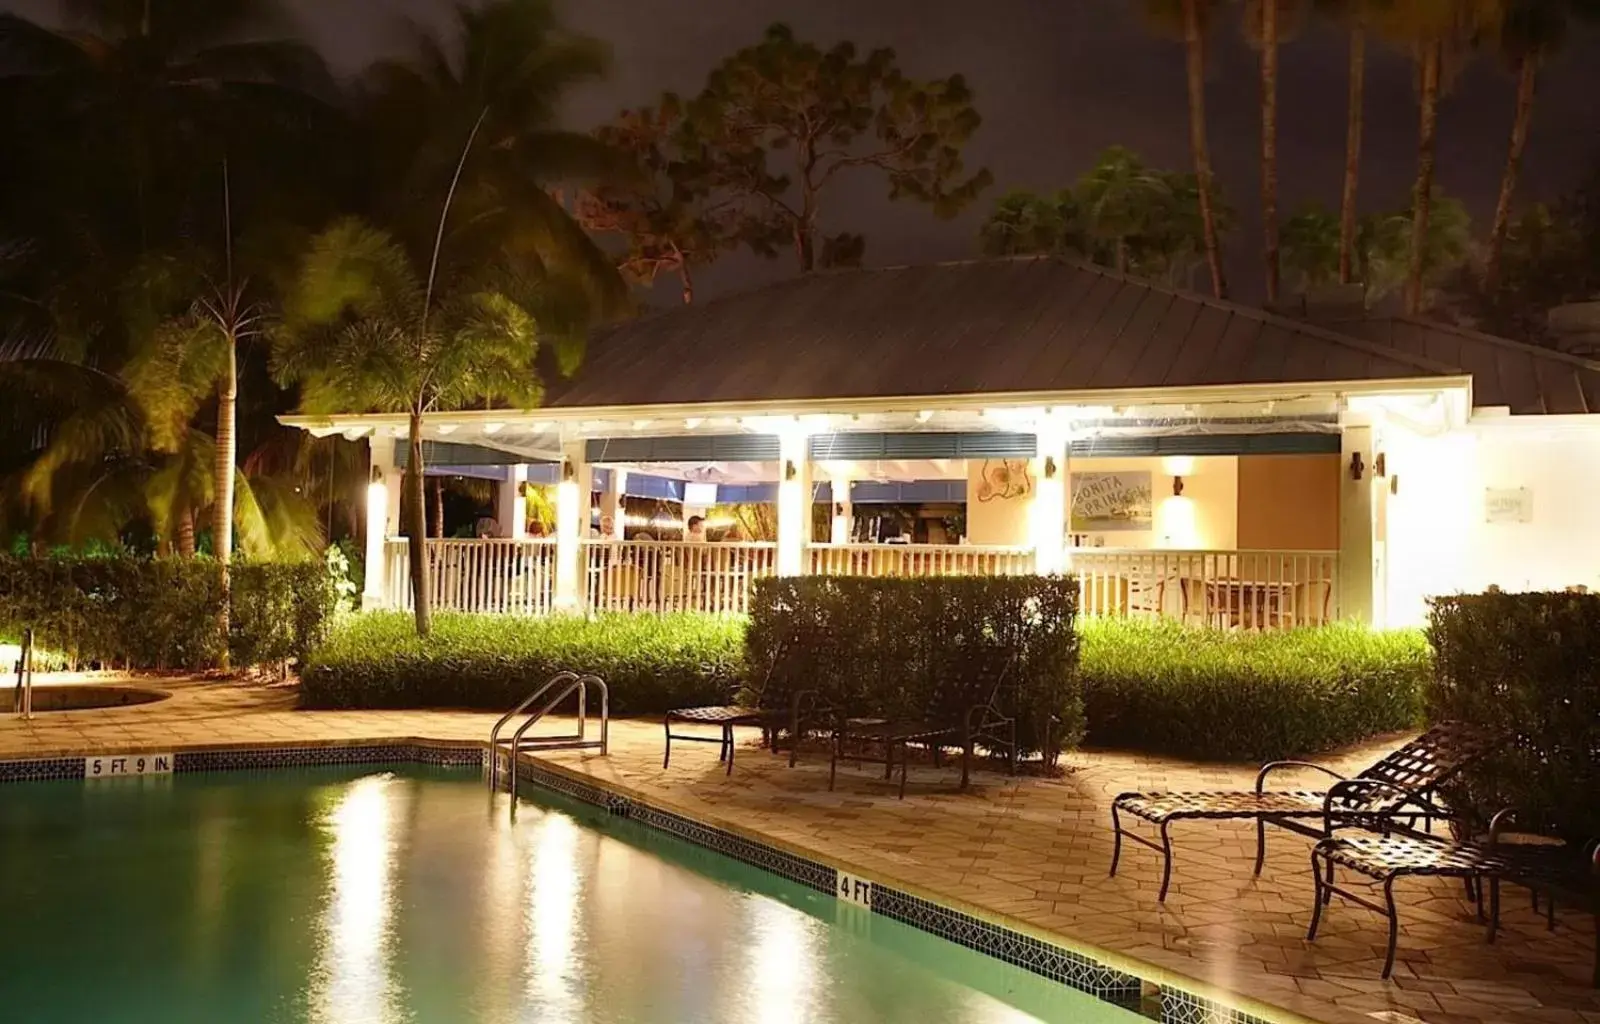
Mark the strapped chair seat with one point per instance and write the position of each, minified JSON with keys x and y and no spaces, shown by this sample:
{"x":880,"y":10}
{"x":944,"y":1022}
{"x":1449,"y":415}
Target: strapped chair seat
{"x":726,"y":716}
{"x":1550,"y":870}
{"x":1400,"y":785}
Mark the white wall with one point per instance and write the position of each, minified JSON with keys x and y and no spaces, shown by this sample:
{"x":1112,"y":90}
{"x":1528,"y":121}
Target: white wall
{"x":1438,"y":537}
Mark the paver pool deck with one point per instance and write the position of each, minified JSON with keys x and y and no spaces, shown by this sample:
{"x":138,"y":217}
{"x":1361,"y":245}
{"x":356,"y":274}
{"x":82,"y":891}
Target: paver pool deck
{"x":1032,"y":851}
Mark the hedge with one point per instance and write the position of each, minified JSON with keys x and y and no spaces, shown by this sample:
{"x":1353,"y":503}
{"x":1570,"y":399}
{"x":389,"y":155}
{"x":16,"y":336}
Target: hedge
{"x":161,"y":613}
{"x":1525,"y":668}
{"x":923,"y":649}
{"x":650,"y":663}
{"x":1213,"y":694}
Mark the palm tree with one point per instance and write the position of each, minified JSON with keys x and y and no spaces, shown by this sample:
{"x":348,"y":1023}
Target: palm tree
{"x":1529,"y":32}
{"x":1312,"y":248}
{"x":1356,"y":15}
{"x":1265,"y":26}
{"x":364,"y":329}
{"x":511,"y":71}
{"x":1436,"y":33}
{"x":143,"y":87}
{"x":1120,"y":199}
{"x":1191,"y":20}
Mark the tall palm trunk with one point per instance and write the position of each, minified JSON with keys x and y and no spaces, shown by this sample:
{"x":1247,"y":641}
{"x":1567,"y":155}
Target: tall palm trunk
{"x":1354,"y":118}
{"x":185,"y":531}
{"x":1269,"y":143}
{"x":438,"y":509}
{"x":1527,"y":81}
{"x":417,"y":547}
{"x":1422,"y":195}
{"x":686,"y":278}
{"x":1194,"y":45}
{"x":222,"y":508}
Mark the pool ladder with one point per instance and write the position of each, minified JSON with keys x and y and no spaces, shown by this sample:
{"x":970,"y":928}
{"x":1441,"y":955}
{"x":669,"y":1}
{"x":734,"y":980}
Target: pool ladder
{"x":563,"y":685}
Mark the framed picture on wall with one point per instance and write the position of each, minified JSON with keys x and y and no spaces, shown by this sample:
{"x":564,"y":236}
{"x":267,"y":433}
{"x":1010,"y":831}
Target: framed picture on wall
{"x":1111,"y":502}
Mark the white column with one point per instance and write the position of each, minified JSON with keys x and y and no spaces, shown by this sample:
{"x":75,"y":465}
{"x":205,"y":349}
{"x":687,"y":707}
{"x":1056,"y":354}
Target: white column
{"x":572,"y":525}
{"x":512,"y":510}
{"x":794,"y":502}
{"x":611,"y":503}
{"x":383,"y":518}
{"x":1048,"y":514}
{"x":844,"y":513}
{"x":1360,"y":542}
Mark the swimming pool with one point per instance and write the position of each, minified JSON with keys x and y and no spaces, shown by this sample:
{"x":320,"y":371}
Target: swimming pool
{"x":407,"y":895}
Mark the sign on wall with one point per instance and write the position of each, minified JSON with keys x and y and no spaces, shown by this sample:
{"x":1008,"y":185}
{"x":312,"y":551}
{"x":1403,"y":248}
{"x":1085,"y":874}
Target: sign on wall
{"x":1507,"y":505}
{"x":1004,"y":480}
{"x":1106,"y":502}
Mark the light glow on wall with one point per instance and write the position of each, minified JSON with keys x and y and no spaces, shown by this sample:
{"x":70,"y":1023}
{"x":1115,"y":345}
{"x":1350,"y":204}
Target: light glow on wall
{"x":1176,"y":523}
{"x":377,"y":526}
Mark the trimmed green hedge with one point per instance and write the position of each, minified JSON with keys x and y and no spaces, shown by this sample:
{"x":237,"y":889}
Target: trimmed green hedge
{"x":650,"y":663}
{"x":1235,"y":696}
{"x":149,"y":613}
{"x":924,"y":649}
{"x":1525,"y":668}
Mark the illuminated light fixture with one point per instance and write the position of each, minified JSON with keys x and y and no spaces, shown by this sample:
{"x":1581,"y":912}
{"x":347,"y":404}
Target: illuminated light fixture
{"x":493,"y":428}
{"x":568,"y":473}
{"x":641,"y":424}
{"x":924,"y":415}
{"x":355,"y":433}
{"x":790,"y":470}
{"x":1380,"y":465}
{"x":1357,"y":467}
{"x":1049,"y":467}
{"x":692,"y":422}
{"x":1177,"y":487}
{"x":377,"y":475}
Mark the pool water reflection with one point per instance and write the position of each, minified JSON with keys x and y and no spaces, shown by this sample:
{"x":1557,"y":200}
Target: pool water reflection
{"x":366,"y":896}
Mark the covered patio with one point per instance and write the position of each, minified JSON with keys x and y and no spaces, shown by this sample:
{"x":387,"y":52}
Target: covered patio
{"x":1187,"y":459}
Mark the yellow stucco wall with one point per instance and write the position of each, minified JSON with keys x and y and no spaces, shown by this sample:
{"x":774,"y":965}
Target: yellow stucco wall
{"x":1289,"y":502}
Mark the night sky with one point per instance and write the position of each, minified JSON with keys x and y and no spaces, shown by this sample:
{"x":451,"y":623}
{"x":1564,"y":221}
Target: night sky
{"x":1056,"y":81}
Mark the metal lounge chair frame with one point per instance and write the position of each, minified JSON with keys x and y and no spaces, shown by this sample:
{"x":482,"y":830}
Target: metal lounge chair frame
{"x":1401,"y":785}
{"x":1387,"y":856}
{"x":803,"y":706}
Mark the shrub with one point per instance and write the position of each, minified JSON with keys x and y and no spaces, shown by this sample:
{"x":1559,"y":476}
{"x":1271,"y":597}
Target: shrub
{"x":924,"y":649}
{"x":650,"y":663}
{"x":161,"y":613}
{"x":1526,"y":669}
{"x":1214,"y":694}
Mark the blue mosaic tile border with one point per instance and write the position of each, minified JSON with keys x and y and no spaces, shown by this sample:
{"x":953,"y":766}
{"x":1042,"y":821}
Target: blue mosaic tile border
{"x":1062,"y":965}
{"x":807,"y":872}
{"x":41,"y":770}
{"x":1180,"y":1007}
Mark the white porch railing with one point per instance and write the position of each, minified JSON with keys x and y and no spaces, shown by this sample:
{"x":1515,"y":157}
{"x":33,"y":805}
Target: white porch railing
{"x":514,"y":577}
{"x":674,"y":576}
{"x":1229,"y":589}
{"x":917,"y":560}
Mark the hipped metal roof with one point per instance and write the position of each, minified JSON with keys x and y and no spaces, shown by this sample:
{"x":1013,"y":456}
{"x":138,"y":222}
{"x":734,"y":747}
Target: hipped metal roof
{"x":1035,"y":324}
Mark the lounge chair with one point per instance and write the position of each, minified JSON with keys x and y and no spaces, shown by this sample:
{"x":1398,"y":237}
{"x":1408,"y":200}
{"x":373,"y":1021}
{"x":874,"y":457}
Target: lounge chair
{"x":771,"y":721}
{"x":1547,"y":869}
{"x":1399,"y":786}
{"x":980,"y":723}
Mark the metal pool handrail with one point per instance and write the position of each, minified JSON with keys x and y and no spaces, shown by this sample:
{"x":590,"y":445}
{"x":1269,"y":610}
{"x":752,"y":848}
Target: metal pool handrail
{"x":571,"y":741}
{"x":494,"y":734}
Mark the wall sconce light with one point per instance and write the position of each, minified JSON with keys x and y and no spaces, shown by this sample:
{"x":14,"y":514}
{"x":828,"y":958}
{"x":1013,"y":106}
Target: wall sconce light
{"x":568,"y":473}
{"x":1380,"y":465}
{"x":838,"y":509}
{"x":1357,"y":467}
{"x":1049,"y":467}
{"x":1177,"y":487}
{"x":790,"y":471}
{"x":377,"y":475}
{"x":1394,"y":484}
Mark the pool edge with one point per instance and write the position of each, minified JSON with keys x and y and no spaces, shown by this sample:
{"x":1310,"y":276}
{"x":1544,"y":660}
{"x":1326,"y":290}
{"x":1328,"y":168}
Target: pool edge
{"x":1113,"y":977}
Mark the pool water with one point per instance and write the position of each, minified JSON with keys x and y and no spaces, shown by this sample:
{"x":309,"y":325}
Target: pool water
{"x":382,"y":896}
